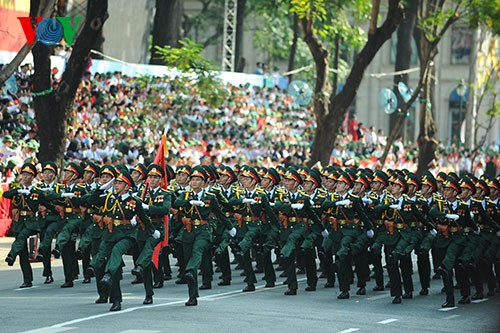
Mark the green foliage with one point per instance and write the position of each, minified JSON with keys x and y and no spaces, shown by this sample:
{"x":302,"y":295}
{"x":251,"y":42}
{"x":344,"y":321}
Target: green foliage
{"x":495,"y":110}
{"x":198,"y":73}
{"x":186,"y":58}
{"x":486,"y":13}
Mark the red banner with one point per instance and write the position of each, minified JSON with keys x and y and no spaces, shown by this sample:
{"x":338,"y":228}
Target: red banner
{"x":5,"y":207}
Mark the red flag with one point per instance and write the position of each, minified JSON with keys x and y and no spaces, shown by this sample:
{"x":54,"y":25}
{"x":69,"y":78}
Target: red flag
{"x":160,"y":160}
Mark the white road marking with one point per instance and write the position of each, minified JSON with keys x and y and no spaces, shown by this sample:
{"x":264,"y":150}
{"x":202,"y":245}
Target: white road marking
{"x":139,"y":331}
{"x":373,"y":298}
{"x":142,"y":307}
{"x":451,"y":317}
{"x":349,"y":330}
{"x":448,"y":309}
{"x":387,"y":321}
{"x":19,"y":289}
{"x":479,"y":300}
{"x":52,"y":330}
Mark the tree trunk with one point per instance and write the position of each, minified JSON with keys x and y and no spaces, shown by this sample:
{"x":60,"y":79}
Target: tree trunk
{"x":167,"y":26}
{"x":293,"y":48}
{"x":52,"y":107}
{"x":238,"y":48}
{"x":329,"y":125}
{"x":403,"y":57}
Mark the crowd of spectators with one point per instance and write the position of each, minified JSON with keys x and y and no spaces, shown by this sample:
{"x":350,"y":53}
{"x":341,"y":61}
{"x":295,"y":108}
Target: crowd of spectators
{"x":120,"y":120}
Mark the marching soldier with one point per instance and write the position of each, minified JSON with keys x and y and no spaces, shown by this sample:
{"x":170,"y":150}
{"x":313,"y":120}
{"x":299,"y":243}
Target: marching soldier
{"x":250,"y":203}
{"x":50,"y":221}
{"x":453,"y":215}
{"x":156,"y":203}
{"x":312,"y":238}
{"x":68,"y":206}
{"x":295,"y":213}
{"x":195,"y":206}
{"x":25,"y":200}
{"x":119,"y":209}
{"x":351,"y":212}
{"x":379,"y":195}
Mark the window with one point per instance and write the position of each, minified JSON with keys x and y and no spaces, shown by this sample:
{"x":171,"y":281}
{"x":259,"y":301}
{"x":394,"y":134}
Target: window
{"x":461,"y":44}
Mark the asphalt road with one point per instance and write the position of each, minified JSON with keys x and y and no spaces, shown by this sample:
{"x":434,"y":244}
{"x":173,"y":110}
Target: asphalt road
{"x":48,"y":308}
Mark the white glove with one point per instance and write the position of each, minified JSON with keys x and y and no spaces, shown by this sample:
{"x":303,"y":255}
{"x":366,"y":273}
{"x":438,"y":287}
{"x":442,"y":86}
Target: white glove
{"x":47,"y":189}
{"x":232,"y":232}
{"x":248,"y":200}
{"x":271,"y":204}
{"x":345,"y":202}
{"x":498,"y":233}
{"x":22,"y":191}
{"x":325,"y":233}
{"x":133,"y":221}
{"x":156,"y":234}
{"x":478,"y":231}
{"x":67,"y":195}
{"x":395,"y":206}
{"x":452,"y":216}
{"x":197,"y":203}
{"x":434,"y":232}
{"x":144,"y":206}
{"x":108,"y":185}
{"x":370,"y":233}
{"x":297,"y":206}
{"x":367,"y":200}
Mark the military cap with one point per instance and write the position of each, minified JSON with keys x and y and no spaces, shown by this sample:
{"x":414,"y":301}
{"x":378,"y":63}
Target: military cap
{"x":314,"y":177}
{"x":29,"y":168}
{"x":468,"y":184}
{"x":108,"y":169}
{"x":363,"y":179}
{"x":273,"y":175}
{"x":169,"y":172}
{"x":494,"y":183}
{"x":291,"y":173}
{"x":92,"y":167}
{"x":412,"y":179}
{"x":401,"y":181}
{"x":381,"y":177}
{"x":199,"y":171}
{"x":141,"y":168}
{"x":213,"y":171}
{"x":49,"y":165}
{"x":225,"y":170}
{"x":124,"y":176}
{"x":344,"y":177}
{"x":280,"y":170}
{"x":184,"y":169}
{"x":454,"y":176}
{"x":156,"y":170}
{"x":484,"y":186}
{"x":261,"y":171}
{"x":428,"y":179}
{"x":248,"y":171}
{"x":75,"y":168}
{"x":452,"y":183}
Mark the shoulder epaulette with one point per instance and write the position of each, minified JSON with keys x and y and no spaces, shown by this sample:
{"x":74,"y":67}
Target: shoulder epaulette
{"x":354,"y":195}
{"x":476,"y":200}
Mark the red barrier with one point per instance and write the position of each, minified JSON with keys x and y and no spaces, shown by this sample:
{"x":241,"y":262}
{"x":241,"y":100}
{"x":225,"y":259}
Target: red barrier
{"x":5,"y":206}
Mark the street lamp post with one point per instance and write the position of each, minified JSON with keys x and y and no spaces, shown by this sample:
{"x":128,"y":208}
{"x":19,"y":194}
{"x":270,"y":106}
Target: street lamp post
{"x":461,"y":90}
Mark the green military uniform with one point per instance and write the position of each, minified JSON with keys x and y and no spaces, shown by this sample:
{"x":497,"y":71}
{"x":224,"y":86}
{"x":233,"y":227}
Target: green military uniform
{"x":352,"y":223}
{"x":157,"y":203}
{"x":296,"y":215}
{"x":24,"y":223}
{"x":118,"y":215}
{"x":452,"y":231}
{"x":196,"y":236}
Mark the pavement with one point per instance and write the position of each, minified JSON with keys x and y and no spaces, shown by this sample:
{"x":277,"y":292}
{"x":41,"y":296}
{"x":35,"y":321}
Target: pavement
{"x":48,"y":308}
